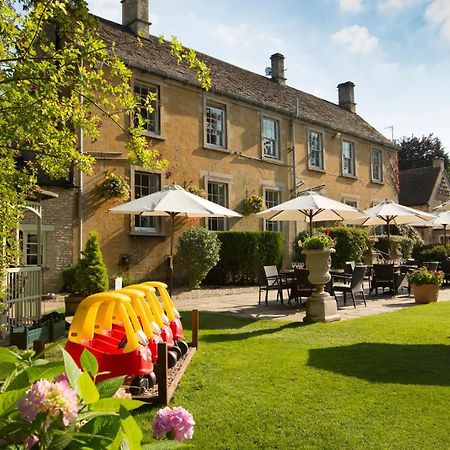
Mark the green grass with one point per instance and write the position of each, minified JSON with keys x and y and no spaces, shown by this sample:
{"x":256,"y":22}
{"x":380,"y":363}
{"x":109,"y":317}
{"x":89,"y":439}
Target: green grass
{"x":379,"y":382}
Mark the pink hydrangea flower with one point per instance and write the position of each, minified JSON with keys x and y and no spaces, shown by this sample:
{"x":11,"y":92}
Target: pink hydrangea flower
{"x":52,"y":398}
{"x":122,"y":393}
{"x":177,"y":423}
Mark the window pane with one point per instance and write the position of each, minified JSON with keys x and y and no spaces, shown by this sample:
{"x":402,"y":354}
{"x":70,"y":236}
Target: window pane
{"x":272,"y":198}
{"x":376,"y":165}
{"x":152,"y":118}
{"x":217,"y":193}
{"x":270,"y":139}
{"x":215,"y":125}
{"x":144,"y":184}
{"x":348,"y":158}
{"x":315,"y":150}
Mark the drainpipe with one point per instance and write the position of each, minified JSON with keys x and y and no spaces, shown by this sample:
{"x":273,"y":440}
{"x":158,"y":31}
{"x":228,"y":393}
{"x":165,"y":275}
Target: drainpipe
{"x":80,"y":184}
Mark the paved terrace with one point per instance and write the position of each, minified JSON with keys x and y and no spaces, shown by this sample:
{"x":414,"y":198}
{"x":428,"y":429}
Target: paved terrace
{"x":244,"y":301}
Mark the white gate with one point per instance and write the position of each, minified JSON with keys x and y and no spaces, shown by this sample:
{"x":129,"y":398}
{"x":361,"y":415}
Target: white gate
{"x":23,"y":295}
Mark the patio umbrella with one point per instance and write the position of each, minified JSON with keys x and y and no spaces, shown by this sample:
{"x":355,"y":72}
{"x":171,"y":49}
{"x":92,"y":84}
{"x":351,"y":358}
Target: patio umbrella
{"x":388,"y":212}
{"x":173,"y":201}
{"x":442,"y":219}
{"x":311,"y":207}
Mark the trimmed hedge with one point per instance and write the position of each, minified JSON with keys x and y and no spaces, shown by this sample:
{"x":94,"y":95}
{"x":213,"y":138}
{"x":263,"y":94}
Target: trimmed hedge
{"x":242,"y":255}
{"x":431,"y":252}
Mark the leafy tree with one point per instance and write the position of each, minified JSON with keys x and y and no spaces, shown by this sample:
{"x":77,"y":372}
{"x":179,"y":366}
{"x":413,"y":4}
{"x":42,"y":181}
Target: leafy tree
{"x":419,"y":152}
{"x":56,"y":77}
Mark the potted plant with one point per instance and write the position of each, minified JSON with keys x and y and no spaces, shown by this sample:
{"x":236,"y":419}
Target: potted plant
{"x":426,"y":284}
{"x":253,"y":204}
{"x":320,"y":307}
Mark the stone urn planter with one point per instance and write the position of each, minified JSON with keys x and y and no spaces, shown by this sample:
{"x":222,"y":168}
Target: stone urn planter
{"x":425,"y":293}
{"x":321,"y":306}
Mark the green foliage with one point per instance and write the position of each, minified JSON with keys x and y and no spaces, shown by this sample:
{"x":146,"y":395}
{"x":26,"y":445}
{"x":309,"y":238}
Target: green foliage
{"x":420,"y":152}
{"x":351,"y":243}
{"x":425,"y":276}
{"x":58,"y":76}
{"x":253,"y":204}
{"x":243,"y":253}
{"x":114,"y":186}
{"x":317,"y":242}
{"x":101,"y":421}
{"x":91,"y":275}
{"x":199,"y":250}
{"x":431,"y":253}
{"x":69,"y":280}
{"x":404,"y":245}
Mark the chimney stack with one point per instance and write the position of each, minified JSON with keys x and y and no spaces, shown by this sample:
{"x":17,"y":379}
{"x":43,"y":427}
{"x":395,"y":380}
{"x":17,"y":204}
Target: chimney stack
{"x":347,"y":96}
{"x":438,"y":162}
{"x":278,"y":68}
{"x":135,"y":16}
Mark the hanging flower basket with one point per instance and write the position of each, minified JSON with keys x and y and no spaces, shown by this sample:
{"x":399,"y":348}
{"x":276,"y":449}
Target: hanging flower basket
{"x":253,"y":204}
{"x":114,"y":186}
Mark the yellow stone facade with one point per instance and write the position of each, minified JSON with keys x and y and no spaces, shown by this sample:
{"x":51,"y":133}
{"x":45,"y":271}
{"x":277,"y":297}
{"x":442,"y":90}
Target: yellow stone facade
{"x":240,"y":165}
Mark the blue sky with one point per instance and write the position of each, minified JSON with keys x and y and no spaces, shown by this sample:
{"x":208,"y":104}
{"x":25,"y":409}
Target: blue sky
{"x":397,"y":52}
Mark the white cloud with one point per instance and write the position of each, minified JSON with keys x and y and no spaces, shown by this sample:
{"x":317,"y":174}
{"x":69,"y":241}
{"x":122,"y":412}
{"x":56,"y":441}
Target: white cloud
{"x":389,"y":5}
{"x":357,"y":38}
{"x":350,"y":5}
{"x":438,"y":13}
{"x":245,"y":35}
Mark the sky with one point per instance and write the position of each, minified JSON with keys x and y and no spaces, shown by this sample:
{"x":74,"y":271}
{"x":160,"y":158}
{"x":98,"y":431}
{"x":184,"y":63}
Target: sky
{"x":397,"y":52}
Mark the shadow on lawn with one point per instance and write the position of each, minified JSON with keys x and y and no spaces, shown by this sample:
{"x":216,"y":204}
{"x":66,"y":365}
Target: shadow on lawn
{"x":228,"y":337}
{"x":387,"y":363}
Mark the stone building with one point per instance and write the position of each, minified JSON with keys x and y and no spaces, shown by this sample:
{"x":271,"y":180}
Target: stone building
{"x":249,"y":134}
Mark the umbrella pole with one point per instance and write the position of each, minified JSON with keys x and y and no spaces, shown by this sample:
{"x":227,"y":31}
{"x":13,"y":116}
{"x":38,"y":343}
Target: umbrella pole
{"x":172,"y":231}
{"x":445,"y":234}
{"x":310,"y":225}
{"x":389,"y":238}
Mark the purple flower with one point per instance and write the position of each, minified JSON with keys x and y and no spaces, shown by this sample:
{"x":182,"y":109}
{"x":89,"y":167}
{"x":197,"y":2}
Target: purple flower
{"x":30,"y":441}
{"x":55,"y":399}
{"x":176,"y":422}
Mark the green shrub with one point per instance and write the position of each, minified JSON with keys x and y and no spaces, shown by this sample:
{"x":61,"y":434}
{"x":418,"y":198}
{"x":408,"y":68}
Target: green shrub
{"x":432,"y":253}
{"x":404,"y":245}
{"x":351,"y":243}
{"x":69,"y":281}
{"x":242,"y":255}
{"x":425,"y":276}
{"x":91,"y":275}
{"x":318,"y":242}
{"x":199,"y":250}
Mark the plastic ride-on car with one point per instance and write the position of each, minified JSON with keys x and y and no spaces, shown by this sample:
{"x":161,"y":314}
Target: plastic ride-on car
{"x":119,"y":352}
{"x":151,"y":328}
{"x":171,"y":313}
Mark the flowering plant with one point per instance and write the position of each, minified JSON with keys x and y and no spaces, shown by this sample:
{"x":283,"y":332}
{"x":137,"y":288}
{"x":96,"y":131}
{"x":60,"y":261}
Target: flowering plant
{"x":424,"y":276}
{"x":318,"y":242}
{"x":176,"y":423}
{"x":253,"y":203}
{"x":42,"y":407}
{"x":114,"y":186}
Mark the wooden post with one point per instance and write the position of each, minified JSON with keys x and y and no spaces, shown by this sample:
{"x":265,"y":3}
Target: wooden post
{"x":161,"y":374}
{"x":195,"y":323}
{"x":38,"y":346}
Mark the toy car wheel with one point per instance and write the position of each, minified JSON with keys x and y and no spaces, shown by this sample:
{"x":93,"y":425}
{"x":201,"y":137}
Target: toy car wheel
{"x":172,"y":358}
{"x":151,"y":379}
{"x":139,"y":385}
{"x":177,"y":351}
{"x":183,"y":346}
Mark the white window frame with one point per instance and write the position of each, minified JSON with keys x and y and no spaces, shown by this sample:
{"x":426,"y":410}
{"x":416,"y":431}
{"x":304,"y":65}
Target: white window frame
{"x":221,"y":223}
{"x":271,"y":225}
{"x":156,"y":228}
{"x":28,"y":229}
{"x":372,"y":165}
{"x":351,"y":174}
{"x":154,"y":130}
{"x":213,"y":105}
{"x":272,"y":142}
{"x":320,"y":151}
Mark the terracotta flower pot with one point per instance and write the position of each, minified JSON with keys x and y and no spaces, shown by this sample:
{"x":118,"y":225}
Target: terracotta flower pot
{"x":426,"y":293}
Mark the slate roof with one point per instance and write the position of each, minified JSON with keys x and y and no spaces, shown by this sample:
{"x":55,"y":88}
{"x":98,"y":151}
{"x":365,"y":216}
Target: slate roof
{"x":416,"y":185}
{"x":235,"y":82}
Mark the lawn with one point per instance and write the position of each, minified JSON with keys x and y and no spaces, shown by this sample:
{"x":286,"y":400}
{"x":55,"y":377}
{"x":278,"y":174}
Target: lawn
{"x":379,"y":382}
